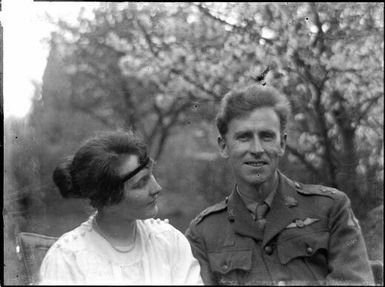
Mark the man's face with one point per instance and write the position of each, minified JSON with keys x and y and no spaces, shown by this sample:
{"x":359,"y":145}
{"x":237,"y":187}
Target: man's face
{"x":253,"y":144}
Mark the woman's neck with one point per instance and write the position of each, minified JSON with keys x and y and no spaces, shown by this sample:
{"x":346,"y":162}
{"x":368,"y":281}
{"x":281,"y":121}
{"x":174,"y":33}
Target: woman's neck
{"x":115,"y":227}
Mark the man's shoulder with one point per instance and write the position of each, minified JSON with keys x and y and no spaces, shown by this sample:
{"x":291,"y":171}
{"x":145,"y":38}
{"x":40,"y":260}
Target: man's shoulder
{"x":318,"y":190}
{"x":213,"y":209}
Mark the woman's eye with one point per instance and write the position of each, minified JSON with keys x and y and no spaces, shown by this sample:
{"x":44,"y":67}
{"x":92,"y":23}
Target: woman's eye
{"x":141,"y":183}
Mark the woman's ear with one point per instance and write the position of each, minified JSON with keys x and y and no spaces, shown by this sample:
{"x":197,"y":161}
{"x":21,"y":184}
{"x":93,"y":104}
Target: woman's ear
{"x":222,"y":147}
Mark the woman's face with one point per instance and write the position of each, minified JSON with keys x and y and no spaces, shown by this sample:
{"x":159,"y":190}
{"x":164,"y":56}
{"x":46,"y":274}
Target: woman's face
{"x":140,"y":192}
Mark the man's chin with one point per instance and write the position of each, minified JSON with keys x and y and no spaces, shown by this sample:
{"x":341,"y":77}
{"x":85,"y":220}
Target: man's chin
{"x":257,"y":179}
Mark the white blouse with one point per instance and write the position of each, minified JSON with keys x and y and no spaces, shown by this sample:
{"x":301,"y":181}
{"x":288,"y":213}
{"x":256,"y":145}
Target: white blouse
{"x":162,"y":255}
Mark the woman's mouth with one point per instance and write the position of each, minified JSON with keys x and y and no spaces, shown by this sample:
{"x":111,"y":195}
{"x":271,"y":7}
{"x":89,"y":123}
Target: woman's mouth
{"x":153,"y":202}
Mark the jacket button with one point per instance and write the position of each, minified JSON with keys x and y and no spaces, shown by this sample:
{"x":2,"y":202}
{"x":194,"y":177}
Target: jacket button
{"x":309,"y":250}
{"x":268,"y":250}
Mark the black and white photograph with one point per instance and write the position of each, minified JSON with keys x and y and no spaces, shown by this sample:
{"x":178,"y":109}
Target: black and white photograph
{"x":192,"y":143}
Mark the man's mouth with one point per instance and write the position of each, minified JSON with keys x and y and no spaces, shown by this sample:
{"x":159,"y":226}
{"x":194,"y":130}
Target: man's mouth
{"x":258,"y":163}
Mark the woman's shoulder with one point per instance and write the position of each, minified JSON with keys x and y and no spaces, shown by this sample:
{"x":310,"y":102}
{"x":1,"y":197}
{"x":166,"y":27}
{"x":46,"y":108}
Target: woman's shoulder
{"x":158,"y":227}
{"x":69,"y":241}
{"x":163,"y":235}
{"x":75,"y":240}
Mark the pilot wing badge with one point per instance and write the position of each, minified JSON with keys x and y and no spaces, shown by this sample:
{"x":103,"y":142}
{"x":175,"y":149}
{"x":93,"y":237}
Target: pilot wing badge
{"x":299,"y":223}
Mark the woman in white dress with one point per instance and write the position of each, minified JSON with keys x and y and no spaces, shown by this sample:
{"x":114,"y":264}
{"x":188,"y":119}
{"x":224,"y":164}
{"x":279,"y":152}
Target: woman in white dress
{"x":120,"y":243}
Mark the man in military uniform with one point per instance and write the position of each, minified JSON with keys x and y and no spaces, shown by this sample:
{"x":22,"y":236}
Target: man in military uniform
{"x":272,"y":230}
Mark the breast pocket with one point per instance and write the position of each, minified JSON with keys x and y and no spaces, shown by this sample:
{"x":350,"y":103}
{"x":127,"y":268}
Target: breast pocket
{"x":229,"y":265}
{"x":303,"y":245}
{"x":305,"y":255}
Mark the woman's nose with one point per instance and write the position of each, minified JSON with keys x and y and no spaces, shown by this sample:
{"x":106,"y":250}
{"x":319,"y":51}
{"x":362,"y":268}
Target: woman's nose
{"x":156,"y":188}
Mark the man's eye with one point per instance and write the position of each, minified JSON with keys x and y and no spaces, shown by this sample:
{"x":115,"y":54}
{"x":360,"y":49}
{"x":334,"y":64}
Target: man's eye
{"x":268,"y":136}
{"x":243,"y":137}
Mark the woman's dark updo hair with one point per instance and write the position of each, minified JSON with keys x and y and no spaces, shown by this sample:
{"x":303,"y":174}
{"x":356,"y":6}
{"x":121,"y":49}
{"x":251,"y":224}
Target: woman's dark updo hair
{"x":93,"y":171}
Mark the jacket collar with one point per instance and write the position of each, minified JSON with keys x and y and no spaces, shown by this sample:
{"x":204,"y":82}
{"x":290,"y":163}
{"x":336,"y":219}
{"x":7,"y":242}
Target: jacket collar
{"x":282,"y":212}
{"x":284,"y":208}
{"x":251,"y":204}
{"x":241,"y":218}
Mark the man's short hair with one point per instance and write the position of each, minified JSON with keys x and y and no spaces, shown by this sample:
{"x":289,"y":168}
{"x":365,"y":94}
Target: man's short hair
{"x":237,"y":104}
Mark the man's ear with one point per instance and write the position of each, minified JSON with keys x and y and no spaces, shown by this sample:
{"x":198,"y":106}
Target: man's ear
{"x":283,"y":144}
{"x":222,"y":147}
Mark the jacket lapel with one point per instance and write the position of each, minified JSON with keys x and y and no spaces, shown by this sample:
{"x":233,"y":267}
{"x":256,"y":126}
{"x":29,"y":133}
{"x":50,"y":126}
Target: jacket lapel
{"x":284,"y":209}
{"x":243,"y":223}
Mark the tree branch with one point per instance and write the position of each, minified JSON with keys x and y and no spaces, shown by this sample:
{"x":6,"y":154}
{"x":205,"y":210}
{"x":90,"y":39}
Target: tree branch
{"x":370,"y":102}
{"x":319,"y":108}
{"x":303,"y":159}
{"x":320,"y":34}
{"x":147,"y":37}
{"x":87,"y":110}
{"x":92,"y":114}
{"x":166,"y":128}
{"x":198,"y":85}
{"x":174,"y":70}
{"x":239,"y":29}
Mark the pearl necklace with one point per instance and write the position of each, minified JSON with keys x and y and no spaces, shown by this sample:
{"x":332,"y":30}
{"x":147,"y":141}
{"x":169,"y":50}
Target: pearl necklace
{"x":105,"y":236}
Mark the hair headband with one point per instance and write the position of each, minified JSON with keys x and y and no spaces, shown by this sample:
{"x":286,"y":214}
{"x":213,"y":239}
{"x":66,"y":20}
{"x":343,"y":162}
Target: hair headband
{"x":136,"y":170}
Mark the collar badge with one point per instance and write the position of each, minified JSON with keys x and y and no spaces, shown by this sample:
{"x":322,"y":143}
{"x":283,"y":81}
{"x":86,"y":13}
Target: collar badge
{"x":290,"y":201}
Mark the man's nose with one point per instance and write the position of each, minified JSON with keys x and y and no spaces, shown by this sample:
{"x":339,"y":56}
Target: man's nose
{"x":256,"y":146}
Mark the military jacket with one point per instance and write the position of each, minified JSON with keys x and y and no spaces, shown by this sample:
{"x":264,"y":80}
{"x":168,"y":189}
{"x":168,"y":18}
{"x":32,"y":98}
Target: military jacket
{"x":311,"y":237}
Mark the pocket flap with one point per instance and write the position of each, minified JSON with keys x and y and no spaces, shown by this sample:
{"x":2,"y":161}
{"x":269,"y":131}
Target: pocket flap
{"x":225,"y":261}
{"x":302,"y":246}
